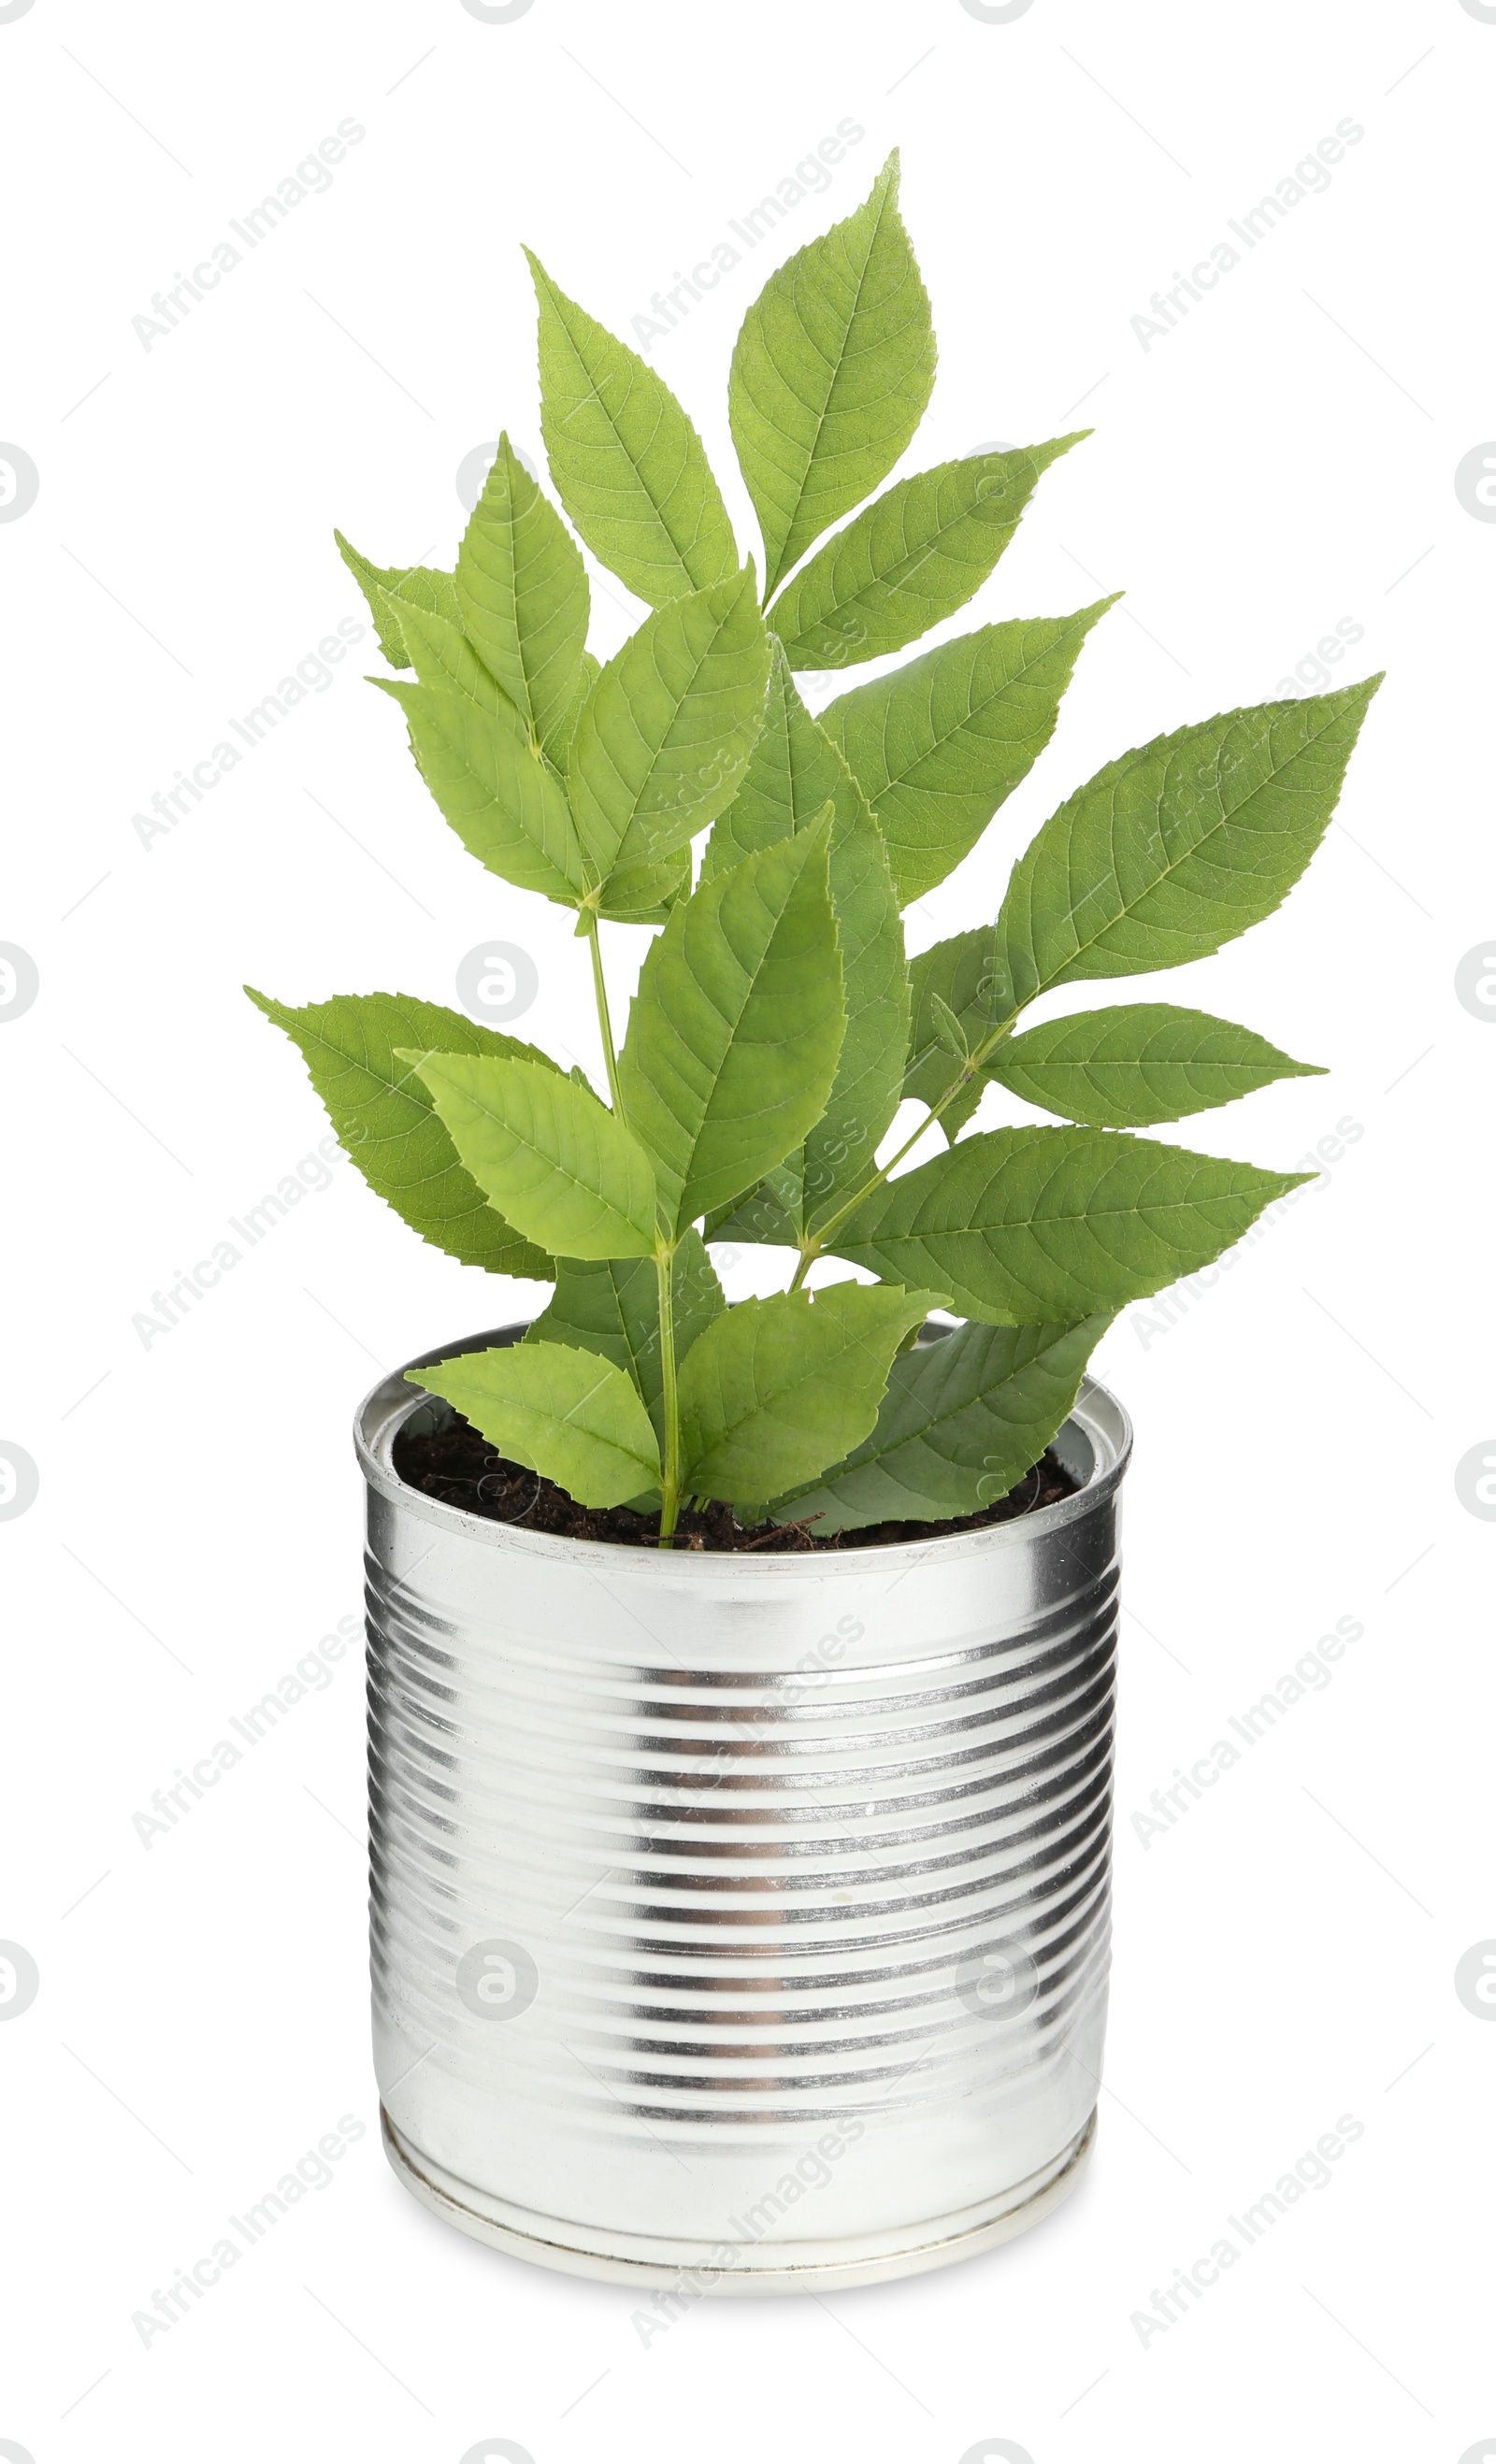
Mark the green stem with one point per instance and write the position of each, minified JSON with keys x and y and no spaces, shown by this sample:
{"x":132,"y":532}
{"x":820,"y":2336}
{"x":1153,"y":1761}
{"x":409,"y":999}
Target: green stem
{"x":669,"y":1409}
{"x":600,"y":995}
{"x":812,"y":1245}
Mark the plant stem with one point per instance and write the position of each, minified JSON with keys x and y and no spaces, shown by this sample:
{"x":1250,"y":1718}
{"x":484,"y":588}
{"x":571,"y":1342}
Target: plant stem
{"x":811,"y":1246}
{"x":669,"y":1483}
{"x":599,"y":994}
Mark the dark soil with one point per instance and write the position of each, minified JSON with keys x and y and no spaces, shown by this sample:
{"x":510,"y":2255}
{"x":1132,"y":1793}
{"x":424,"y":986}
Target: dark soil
{"x":458,"y":1466}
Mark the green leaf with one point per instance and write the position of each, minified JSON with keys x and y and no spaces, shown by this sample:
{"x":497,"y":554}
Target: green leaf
{"x":794,"y":772}
{"x":1022,"y":1226}
{"x":628,"y":464}
{"x":938,"y":745}
{"x":383,"y":1118}
{"x":505,"y":802}
{"x":830,"y":375}
{"x":950,"y":1034}
{"x":413,"y":586}
{"x":571,"y":1416}
{"x":960,"y":980}
{"x":522,"y":590}
{"x":735,"y":1027}
{"x":645,"y":893}
{"x":909,"y":558}
{"x":1127,"y":1069}
{"x":548,"y":1153}
{"x":665,"y":732}
{"x":442,"y":655}
{"x":612,"y":1306}
{"x":963,"y":1418}
{"x":1177,"y":848}
{"x":558,"y":743}
{"x":776,"y":1389}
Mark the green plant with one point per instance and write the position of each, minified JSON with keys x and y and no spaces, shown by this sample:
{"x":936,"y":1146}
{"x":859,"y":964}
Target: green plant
{"x":777,"y":1026}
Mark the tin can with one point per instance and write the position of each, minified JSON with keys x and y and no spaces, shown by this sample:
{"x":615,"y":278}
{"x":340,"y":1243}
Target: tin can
{"x":739,"y":1921}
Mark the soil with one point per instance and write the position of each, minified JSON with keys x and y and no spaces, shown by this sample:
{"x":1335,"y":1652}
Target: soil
{"x":460,"y":1468}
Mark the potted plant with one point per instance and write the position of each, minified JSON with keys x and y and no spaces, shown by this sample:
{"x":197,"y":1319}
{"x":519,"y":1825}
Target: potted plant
{"x":741,"y":1676}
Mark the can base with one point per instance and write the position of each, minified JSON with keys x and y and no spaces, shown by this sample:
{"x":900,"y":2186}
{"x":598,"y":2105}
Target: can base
{"x":826,"y":2267}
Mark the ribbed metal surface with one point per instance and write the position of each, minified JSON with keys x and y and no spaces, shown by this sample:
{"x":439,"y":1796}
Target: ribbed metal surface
{"x":796,"y":1868}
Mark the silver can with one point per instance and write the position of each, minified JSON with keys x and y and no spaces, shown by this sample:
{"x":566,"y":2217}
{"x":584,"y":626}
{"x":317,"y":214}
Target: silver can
{"x":740,"y":1923}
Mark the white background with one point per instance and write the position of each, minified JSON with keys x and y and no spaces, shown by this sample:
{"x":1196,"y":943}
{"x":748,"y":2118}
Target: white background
{"x":1282,"y":459}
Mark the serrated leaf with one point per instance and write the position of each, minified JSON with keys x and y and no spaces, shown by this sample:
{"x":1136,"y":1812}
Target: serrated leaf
{"x":938,"y":745}
{"x":557,"y":741}
{"x":959,"y":980}
{"x":963,"y":1418}
{"x":548,"y":1154}
{"x":441,"y":654}
{"x":947,"y":1030}
{"x":645,"y":893}
{"x":1174,"y":848}
{"x":385,"y":1120}
{"x":1128,"y":1069}
{"x":776,"y":1389}
{"x":793,"y":772}
{"x":505,"y":802}
{"x":830,"y":375}
{"x":612,"y":1306}
{"x":628,"y":464}
{"x":909,"y":558}
{"x":522,"y":590}
{"x":415,"y":586}
{"x":1023,"y":1226}
{"x":665,"y":734}
{"x":735,"y":1027}
{"x":571,"y":1415}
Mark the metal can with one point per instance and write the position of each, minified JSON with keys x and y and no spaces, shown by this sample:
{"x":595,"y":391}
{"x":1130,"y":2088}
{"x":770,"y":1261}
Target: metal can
{"x":739,"y":1921}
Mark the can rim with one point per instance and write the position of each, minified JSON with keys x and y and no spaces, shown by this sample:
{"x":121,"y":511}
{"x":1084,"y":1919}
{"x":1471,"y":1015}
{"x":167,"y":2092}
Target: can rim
{"x":1097,"y":1417}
